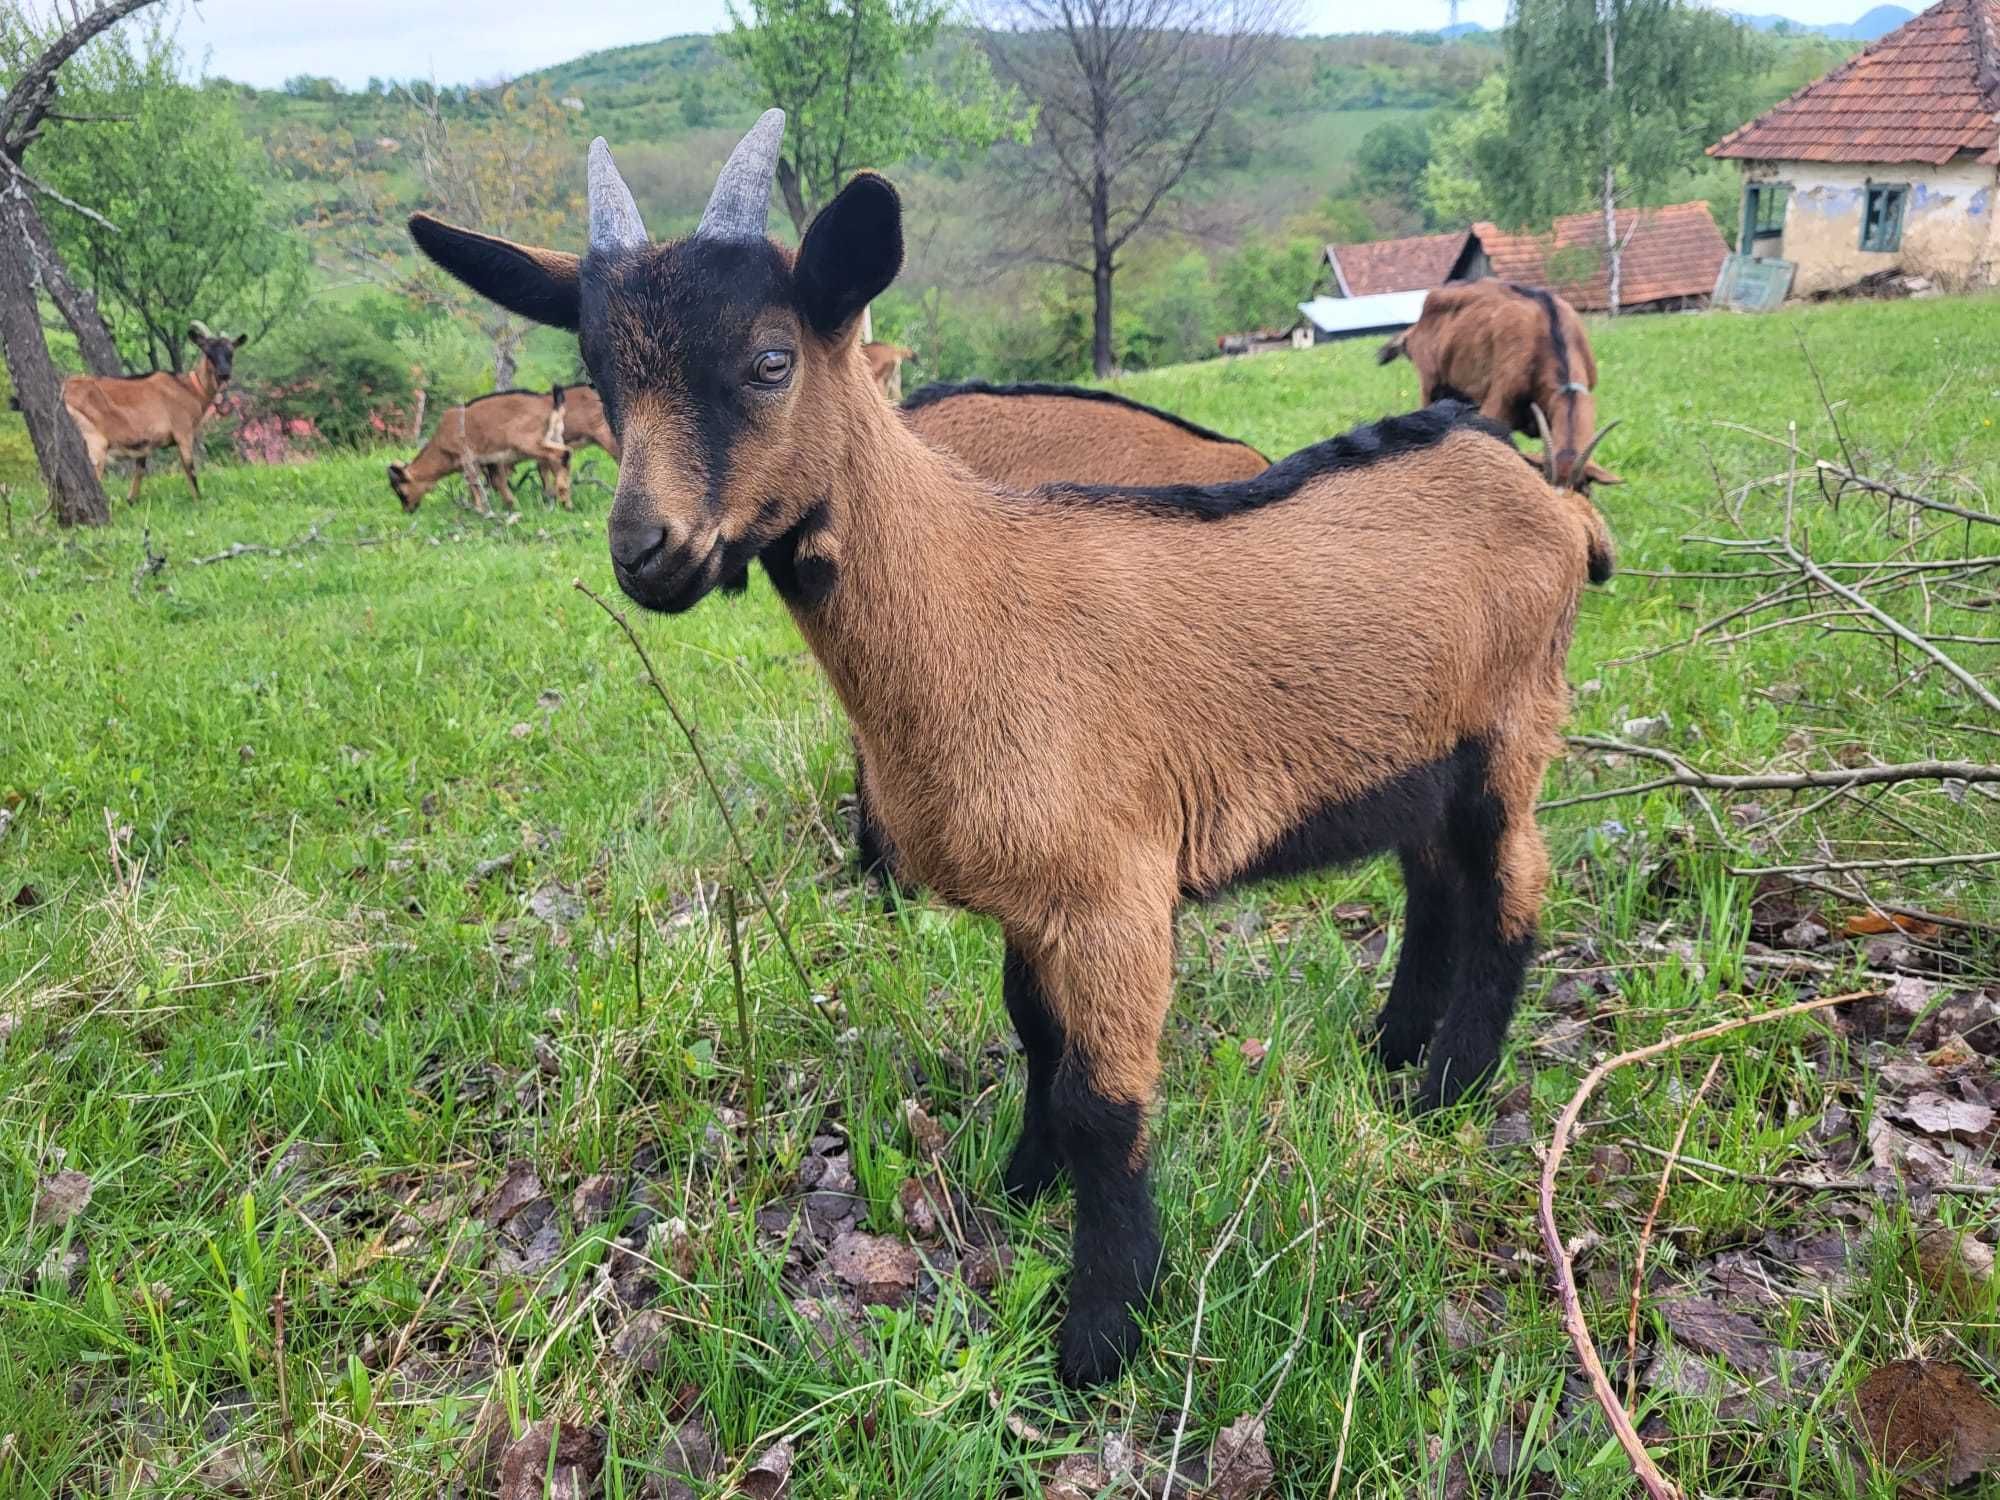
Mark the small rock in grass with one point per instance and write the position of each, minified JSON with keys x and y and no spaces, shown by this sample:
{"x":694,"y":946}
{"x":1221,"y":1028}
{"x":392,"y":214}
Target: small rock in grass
{"x":61,"y":1197}
{"x":551,"y":1461}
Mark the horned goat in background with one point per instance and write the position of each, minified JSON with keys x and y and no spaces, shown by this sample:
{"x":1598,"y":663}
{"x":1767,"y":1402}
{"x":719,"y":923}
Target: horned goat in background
{"x":1083,"y":706}
{"x":133,"y":416}
{"x":1521,"y":356}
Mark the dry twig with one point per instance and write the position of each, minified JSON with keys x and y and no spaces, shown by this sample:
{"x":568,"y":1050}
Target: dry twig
{"x":707,"y":775}
{"x":1655,"y":1483}
{"x":1646,"y":1236}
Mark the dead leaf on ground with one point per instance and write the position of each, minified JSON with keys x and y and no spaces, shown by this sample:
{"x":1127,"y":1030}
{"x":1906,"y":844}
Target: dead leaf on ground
{"x":926,"y":1132}
{"x":1875,"y":924}
{"x":920,"y":1216}
{"x":1956,"y":1264}
{"x":767,"y":1476}
{"x":518,"y":1187}
{"x":1079,"y":1476}
{"x":1938,"y":1114}
{"x":594,"y":1199}
{"x":1709,"y":1328}
{"x":642,"y":1341}
{"x":1239,"y":1464}
{"x":61,"y":1197}
{"x":530,"y":1471}
{"x":692,"y":1456}
{"x":877,"y":1268}
{"x":555,"y":903}
{"x":1919,"y":1414}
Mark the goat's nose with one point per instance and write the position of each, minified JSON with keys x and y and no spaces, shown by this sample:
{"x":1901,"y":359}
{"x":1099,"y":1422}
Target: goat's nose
{"x":636,"y":544}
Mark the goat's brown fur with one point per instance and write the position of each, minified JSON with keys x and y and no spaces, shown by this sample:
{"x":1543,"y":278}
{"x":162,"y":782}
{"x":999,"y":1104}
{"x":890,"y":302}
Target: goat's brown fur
{"x":134,"y":416}
{"x":1081,"y":707}
{"x":1024,"y":436}
{"x":1508,"y":349}
{"x":491,"y":435}
{"x":584,"y":421}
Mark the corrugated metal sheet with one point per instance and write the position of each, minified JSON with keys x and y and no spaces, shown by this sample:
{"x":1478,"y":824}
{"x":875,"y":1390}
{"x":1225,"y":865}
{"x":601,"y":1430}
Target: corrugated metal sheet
{"x":1926,"y":92}
{"x":1365,"y":314}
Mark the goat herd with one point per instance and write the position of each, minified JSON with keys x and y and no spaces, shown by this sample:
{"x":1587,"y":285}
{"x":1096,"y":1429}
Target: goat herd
{"x":1098,"y":661}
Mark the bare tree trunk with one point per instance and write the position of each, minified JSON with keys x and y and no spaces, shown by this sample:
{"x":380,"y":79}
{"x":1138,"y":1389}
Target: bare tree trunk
{"x":1614,"y":252}
{"x":506,"y":345}
{"x":73,"y":488}
{"x":1100,"y":278}
{"x":794,"y":196}
{"x":78,"y":307}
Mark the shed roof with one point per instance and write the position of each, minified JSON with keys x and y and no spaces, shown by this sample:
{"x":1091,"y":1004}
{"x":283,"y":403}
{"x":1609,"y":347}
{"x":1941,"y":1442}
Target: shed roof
{"x":1926,"y":92}
{"x":1674,"y":252}
{"x":1407,"y":265}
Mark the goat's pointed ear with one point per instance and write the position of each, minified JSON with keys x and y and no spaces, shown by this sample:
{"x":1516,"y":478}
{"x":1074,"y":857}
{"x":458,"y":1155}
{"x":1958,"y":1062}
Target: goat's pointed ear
{"x":1597,"y":474}
{"x":240,"y":340}
{"x":538,"y":284}
{"x":851,"y":253}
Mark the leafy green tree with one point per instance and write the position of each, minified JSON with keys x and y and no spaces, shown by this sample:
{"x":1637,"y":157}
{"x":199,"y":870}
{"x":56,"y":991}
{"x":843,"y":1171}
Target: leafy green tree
{"x":1451,"y":190}
{"x":180,"y":223}
{"x":1611,"y":101}
{"x":1389,"y":164}
{"x":1262,"y":284}
{"x":859,"y":85}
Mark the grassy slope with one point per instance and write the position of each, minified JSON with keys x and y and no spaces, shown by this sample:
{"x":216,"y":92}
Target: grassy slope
{"x":313,"y":754}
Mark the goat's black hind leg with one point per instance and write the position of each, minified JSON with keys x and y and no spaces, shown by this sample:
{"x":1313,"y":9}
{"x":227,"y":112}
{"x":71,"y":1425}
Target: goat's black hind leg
{"x":1491,"y":834}
{"x":1428,"y":965}
{"x":1036,"y":1165}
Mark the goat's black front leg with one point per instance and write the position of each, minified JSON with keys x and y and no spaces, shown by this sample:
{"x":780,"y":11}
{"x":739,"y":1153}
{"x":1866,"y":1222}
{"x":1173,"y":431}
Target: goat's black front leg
{"x":1427,"y":968}
{"x":1037,"y":1162}
{"x":1103,"y":979}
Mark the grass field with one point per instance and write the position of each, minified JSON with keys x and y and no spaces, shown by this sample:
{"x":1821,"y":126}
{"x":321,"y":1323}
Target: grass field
{"x":360,"y":945}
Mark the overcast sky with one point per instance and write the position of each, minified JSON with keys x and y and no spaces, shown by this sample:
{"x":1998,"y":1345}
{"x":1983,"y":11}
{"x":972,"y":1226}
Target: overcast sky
{"x":468,"y":41}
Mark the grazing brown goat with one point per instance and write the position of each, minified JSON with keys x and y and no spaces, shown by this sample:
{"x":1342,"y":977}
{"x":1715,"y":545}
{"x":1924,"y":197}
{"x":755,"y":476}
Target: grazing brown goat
{"x":885,"y":364}
{"x":584,"y":421}
{"x":1521,"y":356}
{"x":132,"y":416}
{"x":1083,"y":706}
{"x":492,"y":434}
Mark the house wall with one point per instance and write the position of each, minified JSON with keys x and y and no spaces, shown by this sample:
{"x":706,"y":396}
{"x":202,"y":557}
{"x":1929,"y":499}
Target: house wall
{"x":1951,"y":228}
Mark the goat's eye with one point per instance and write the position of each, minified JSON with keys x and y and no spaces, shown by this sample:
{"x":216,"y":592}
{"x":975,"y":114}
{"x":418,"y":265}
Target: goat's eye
{"x":772,"y":367}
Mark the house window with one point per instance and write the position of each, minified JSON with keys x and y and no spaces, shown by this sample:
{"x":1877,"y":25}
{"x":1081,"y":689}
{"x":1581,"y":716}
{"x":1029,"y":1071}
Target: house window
{"x":1767,"y":208}
{"x":1882,"y":217}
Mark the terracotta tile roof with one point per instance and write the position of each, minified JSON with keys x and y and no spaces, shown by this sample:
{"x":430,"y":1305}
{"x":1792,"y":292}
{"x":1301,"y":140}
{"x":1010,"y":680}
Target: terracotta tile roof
{"x":1675,"y":252}
{"x":1410,"y":265}
{"x":1926,"y":92}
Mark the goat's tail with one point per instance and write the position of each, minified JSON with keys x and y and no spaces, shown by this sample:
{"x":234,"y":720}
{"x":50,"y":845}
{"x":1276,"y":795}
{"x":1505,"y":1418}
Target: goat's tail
{"x":1394,"y":350}
{"x":556,"y":394}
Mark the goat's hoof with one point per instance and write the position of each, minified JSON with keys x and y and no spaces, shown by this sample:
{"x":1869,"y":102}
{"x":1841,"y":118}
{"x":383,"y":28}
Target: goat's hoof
{"x":1098,"y":1336}
{"x":1448,"y":1081}
{"x":1032,"y":1171}
{"x":1396,"y":1046}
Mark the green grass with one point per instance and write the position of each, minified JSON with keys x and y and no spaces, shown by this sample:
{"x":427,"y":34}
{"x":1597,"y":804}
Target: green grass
{"x":269,"y":1004}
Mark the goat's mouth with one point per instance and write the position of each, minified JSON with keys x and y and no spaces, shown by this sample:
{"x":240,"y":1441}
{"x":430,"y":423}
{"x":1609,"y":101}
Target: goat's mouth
{"x":668,"y":585}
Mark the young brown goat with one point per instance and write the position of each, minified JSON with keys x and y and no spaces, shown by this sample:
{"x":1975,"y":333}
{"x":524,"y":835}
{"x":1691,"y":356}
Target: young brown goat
{"x":493,"y":433}
{"x":1083,"y":706}
{"x":1024,"y":436}
{"x":132,"y":416}
{"x":1521,"y":356}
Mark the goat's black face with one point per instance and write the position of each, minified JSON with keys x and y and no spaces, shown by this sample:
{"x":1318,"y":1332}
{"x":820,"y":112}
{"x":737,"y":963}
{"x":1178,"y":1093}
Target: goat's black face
{"x":220,"y":350}
{"x":728,"y":370}
{"x":700,"y":352}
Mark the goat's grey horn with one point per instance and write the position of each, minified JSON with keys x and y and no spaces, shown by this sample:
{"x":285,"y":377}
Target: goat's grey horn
{"x":1583,"y":463}
{"x":614,"y":217}
{"x":1548,"y":442}
{"x":740,"y":206}
{"x":199,"y":329}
